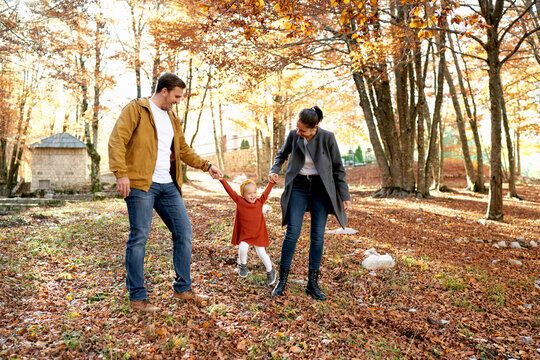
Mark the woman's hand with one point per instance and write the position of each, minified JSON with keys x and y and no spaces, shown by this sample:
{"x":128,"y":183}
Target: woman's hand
{"x":273,"y":178}
{"x":346,"y":205}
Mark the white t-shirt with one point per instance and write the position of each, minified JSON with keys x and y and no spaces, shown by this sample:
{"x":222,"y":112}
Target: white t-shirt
{"x":165,"y":135}
{"x":309,"y":166}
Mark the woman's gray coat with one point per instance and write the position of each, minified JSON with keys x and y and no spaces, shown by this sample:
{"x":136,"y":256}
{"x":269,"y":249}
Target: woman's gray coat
{"x":324,"y":151}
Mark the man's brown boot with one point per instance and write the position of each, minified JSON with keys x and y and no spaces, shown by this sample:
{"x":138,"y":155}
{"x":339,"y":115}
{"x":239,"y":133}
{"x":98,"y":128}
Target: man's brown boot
{"x":190,"y":295}
{"x":143,"y":305}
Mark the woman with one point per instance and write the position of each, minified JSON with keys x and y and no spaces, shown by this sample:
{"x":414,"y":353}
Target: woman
{"x":314,"y":182}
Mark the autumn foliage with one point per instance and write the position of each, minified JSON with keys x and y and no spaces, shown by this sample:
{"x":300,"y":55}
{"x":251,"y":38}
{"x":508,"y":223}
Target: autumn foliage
{"x":451,"y":295}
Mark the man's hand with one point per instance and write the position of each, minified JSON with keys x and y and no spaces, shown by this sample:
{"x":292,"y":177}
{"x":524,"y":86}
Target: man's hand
{"x":122,"y":185}
{"x":273,"y":178}
{"x":346,"y":205}
{"x":215,"y":173}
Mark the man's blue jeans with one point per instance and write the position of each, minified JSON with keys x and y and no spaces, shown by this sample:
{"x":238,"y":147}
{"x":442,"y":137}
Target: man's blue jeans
{"x":167,"y":201}
{"x":306,"y":194}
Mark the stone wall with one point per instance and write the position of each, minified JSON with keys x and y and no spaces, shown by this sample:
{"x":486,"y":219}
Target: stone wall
{"x":59,"y":168}
{"x":238,"y":160}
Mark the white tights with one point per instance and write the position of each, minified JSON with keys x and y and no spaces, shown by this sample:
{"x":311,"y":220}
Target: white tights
{"x":243,"y":251}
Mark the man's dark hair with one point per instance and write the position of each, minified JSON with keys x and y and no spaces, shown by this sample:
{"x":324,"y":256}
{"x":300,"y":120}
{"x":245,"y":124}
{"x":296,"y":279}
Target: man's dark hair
{"x":170,"y":81}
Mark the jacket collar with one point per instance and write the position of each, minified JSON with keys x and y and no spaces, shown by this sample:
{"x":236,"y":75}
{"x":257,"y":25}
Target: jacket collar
{"x":311,"y":145}
{"x":144,"y":102}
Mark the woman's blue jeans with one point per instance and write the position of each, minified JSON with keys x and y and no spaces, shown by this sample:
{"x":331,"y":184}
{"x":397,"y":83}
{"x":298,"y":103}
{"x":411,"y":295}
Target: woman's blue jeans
{"x":168,"y":203}
{"x":307,"y":193}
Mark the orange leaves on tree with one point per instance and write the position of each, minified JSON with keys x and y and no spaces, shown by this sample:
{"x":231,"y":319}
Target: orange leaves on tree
{"x":423,"y":34}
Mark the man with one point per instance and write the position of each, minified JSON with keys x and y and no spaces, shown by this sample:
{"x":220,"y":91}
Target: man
{"x":146,"y":148}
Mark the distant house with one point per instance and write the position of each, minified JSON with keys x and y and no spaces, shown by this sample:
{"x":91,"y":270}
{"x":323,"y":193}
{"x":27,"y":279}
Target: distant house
{"x":59,"y":161}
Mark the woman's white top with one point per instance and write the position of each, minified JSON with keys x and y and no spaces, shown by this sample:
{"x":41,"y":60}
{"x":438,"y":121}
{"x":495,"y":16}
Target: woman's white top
{"x":165,"y":135}
{"x":309,"y":166}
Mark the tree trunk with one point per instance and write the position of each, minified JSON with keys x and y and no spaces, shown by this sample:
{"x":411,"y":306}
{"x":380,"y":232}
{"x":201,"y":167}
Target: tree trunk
{"x":188,"y":95}
{"x":216,"y":137}
{"x":518,"y":154}
{"x":386,"y":178}
{"x":390,"y":134}
{"x":223,"y":140}
{"x":137,"y":46}
{"x":478,"y":185}
{"x":441,"y":185}
{"x":186,"y":111}
{"x":408,"y":167}
{"x":84,"y":103}
{"x":495,"y":205}
{"x":420,"y":83}
{"x":155,"y":67}
{"x":469,"y":169}
{"x":266,"y":152}
{"x":18,"y":148}
{"x":197,"y":124}
{"x":404,"y":77}
{"x":92,"y":126}
{"x":258,"y":154}
{"x":512,"y":192}
{"x":432,"y":147}
{"x":202,"y":107}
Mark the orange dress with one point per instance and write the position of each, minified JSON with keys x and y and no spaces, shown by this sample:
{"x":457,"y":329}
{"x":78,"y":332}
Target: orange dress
{"x":249,"y":224}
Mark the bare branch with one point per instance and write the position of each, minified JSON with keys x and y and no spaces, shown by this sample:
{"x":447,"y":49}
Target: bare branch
{"x":515,"y":21}
{"x":477,"y":39}
{"x":473,"y":9}
{"x":516,"y":48}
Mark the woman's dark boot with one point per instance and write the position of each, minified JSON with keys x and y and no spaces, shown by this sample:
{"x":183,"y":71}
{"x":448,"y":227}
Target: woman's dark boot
{"x":283,"y":275}
{"x":312,"y":287}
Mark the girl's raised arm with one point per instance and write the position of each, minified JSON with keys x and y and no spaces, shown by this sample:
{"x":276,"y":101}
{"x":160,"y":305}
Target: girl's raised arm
{"x":266,"y":192}
{"x":229,"y":190}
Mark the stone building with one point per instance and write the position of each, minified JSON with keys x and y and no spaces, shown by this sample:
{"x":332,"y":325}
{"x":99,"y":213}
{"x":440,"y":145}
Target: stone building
{"x":59,"y":162}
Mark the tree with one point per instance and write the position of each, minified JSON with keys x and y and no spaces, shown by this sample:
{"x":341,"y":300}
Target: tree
{"x":135,"y":52}
{"x":75,"y":50}
{"x":358,"y":155}
{"x":470,"y":108}
{"x":372,"y":41}
{"x":493,"y":13}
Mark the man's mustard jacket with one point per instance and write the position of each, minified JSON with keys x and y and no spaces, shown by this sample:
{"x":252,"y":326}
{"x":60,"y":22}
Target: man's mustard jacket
{"x":133,"y":147}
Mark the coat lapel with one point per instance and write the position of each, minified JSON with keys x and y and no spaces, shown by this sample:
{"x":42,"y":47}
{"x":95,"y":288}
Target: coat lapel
{"x":300,"y":143}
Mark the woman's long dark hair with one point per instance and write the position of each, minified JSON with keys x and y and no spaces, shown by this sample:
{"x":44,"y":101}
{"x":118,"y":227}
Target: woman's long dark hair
{"x":311,"y":116}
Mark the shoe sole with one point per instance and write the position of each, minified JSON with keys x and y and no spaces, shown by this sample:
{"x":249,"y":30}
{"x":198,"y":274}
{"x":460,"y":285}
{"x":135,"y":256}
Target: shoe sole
{"x":146,"y":311}
{"x":314,"y":296}
{"x":198,"y":303}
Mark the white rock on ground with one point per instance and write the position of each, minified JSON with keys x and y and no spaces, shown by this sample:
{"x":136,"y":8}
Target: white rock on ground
{"x":515,"y":262}
{"x":375,"y":262}
{"x":524,"y":340}
{"x":346,"y":231}
{"x":502,"y":243}
{"x":533,"y":243}
{"x":515,"y":244}
{"x":371,"y":251}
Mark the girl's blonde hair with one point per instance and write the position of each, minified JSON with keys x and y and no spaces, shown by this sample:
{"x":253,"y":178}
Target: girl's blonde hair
{"x":244,"y":185}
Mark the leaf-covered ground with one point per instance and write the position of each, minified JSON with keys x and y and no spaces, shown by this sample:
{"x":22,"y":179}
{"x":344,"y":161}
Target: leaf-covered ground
{"x":451,"y":295}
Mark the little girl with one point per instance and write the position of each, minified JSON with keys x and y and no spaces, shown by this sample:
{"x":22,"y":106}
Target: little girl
{"x":249,"y":226}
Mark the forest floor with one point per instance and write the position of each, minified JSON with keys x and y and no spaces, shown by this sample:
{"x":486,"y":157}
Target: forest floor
{"x":451,"y":295}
